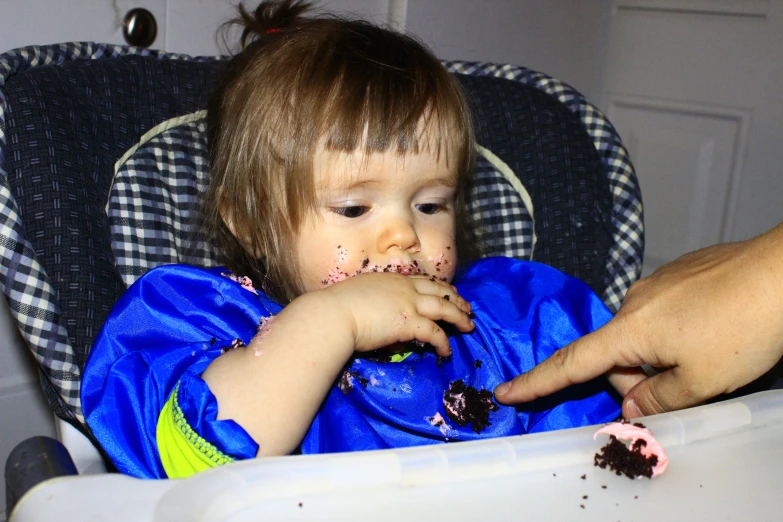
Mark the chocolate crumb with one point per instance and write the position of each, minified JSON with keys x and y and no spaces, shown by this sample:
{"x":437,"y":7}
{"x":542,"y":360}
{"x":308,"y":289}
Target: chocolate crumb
{"x":471,"y":315}
{"x":365,"y":262}
{"x":439,"y":360}
{"x":582,"y":506}
{"x":554,"y":474}
{"x":583,"y":477}
{"x":300,"y":504}
{"x":363,"y":382}
{"x":346,"y":381}
{"x":477,"y":364}
{"x":446,"y":297}
{"x":584,"y":497}
{"x":603,"y":487}
{"x":394,"y":389}
{"x":636,"y":496}
{"x":439,"y":422}
{"x":212,"y":341}
{"x":236,"y":343}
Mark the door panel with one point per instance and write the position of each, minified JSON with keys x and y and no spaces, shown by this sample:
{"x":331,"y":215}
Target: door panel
{"x":694,"y":88}
{"x":688,"y":158}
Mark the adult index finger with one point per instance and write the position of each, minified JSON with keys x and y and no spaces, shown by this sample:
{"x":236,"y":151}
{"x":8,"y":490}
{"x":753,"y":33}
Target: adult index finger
{"x":582,"y":360}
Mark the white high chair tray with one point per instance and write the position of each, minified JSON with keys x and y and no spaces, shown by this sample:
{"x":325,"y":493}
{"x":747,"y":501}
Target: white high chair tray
{"x":725,"y":463}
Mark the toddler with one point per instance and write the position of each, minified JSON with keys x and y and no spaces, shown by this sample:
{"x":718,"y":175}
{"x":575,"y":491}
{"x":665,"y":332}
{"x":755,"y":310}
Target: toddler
{"x":340,"y":157}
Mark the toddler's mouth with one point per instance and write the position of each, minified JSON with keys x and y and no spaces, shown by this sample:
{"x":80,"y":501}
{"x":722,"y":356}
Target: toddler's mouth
{"x":404,"y":269}
{"x":408,"y":269}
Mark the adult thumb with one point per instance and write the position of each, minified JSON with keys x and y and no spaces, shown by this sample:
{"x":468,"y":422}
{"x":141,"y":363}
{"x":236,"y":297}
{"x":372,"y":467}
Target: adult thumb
{"x":660,"y":393}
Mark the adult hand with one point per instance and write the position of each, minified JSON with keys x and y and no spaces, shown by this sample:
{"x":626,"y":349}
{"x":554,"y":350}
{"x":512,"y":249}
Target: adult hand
{"x":712,"y":320}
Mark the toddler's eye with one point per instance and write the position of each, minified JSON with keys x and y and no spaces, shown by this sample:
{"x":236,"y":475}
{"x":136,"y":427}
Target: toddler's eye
{"x":350,"y":212}
{"x":429,"y":208}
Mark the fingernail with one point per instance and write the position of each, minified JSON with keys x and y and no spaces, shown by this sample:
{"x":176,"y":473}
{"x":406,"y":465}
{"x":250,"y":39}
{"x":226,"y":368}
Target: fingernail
{"x":502,"y":389}
{"x":633,"y":409}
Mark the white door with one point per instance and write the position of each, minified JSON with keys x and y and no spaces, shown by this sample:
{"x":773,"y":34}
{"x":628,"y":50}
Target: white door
{"x":694,"y":88}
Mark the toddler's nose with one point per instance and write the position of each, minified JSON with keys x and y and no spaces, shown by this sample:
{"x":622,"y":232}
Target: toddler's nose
{"x":398,"y":234}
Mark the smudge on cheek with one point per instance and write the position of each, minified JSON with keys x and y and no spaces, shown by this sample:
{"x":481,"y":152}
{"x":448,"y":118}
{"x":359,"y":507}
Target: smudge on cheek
{"x":335,"y":275}
{"x":437,"y":259}
{"x":443,"y":265}
{"x":336,"y":272}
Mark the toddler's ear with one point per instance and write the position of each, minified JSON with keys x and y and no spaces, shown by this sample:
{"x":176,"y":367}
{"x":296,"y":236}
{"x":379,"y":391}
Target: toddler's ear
{"x":225,"y":215}
{"x":242,"y":236}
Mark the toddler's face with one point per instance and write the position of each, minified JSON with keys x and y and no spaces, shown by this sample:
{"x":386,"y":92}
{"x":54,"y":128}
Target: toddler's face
{"x":379,"y":212}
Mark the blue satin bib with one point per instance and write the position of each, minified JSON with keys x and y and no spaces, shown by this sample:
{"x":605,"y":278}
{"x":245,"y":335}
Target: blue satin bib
{"x":175,"y":320}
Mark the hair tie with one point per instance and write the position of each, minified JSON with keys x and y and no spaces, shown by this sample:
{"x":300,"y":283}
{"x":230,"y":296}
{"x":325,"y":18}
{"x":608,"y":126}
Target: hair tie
{"x":273,"y":30}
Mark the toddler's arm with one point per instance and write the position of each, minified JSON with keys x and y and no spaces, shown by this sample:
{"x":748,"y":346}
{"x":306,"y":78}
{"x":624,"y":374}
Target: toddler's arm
{"x":273,"y":388}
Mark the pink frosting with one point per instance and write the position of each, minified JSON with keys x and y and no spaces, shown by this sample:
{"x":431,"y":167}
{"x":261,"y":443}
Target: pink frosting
{"x":439,"y":422}
{"x":245,"y":281}
{"x":456,"y":405}
{"x":264,"y":326}
{"x":629,"y":432}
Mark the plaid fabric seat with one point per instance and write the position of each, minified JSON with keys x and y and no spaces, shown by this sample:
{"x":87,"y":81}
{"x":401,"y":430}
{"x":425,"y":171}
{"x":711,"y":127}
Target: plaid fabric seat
{"x":103,"y":159}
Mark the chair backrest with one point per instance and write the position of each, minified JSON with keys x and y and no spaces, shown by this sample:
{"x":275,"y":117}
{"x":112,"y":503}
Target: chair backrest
{"x":103,"y":159}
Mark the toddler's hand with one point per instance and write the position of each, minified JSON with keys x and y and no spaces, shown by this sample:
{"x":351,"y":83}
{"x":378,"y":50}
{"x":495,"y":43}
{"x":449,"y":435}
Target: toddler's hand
{"x":386,"y":308}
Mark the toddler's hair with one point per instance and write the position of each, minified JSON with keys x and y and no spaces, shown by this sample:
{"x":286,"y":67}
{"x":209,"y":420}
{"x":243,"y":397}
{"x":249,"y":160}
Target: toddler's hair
{"x":299,"y":82}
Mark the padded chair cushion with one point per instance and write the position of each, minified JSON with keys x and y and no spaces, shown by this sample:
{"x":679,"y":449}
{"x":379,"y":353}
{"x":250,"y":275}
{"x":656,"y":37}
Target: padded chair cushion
{"x":524,"y":136}
{"x":67,"y":126}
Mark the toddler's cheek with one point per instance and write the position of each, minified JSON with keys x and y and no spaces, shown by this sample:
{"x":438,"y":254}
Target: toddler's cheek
{"x":443,"y":265}
{"x":339,"y":268}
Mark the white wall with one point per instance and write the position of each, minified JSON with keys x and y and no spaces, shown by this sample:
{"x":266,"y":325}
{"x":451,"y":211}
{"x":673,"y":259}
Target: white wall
{"x":562,"y":38}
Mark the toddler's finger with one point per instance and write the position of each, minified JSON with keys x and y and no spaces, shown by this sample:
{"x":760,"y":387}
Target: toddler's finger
{"x":436,"y":308}
{"x":428,"y":331}
{"x":444,"y":291}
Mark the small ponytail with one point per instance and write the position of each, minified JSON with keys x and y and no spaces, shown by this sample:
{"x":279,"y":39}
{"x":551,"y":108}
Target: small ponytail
{"x":269,"y":17}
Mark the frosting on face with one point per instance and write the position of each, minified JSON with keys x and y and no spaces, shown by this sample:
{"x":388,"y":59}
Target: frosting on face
{"x":439,"y":265}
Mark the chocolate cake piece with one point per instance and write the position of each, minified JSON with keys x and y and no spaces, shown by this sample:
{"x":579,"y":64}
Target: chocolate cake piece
{"x":625,"y":460}
{"x":465,"y":404}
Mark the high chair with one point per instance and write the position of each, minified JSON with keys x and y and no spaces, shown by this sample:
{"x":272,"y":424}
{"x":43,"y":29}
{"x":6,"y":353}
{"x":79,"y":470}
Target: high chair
{"x":102,"y":161}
